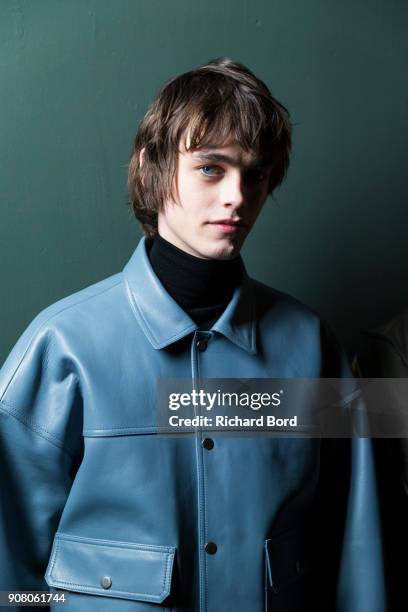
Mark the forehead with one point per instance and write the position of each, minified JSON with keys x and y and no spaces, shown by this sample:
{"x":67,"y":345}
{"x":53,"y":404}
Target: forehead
{"x":230,"y":153}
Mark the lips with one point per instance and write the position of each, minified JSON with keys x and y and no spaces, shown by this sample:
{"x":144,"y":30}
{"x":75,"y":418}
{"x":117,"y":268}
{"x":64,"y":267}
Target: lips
{"x":230,"y":222}
{"x":229,"y":226}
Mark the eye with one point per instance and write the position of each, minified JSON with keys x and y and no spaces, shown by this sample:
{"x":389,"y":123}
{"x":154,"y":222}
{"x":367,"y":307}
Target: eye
{"x":208,"y":170}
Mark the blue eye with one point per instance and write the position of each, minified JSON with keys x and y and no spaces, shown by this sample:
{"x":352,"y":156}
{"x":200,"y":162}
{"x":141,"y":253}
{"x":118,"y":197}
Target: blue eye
{"x":208,"y":170}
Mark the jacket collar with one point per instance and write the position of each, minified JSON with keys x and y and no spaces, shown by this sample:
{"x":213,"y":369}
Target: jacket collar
{"x":164,"y":321}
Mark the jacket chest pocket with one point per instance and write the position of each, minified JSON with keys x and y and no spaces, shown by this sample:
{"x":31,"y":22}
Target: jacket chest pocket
{"x":108,"y":575}
{"x":288,"y":575}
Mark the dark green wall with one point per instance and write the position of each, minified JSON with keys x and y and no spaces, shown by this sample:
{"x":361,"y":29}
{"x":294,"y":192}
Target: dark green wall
{"x":76,"y":77}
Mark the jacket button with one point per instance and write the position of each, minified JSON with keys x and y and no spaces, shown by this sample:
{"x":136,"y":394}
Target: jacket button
{"x":201,"y":344}
{"x":106,"y":582}
{"x":210,"y":548}
{"x":207,"y":443}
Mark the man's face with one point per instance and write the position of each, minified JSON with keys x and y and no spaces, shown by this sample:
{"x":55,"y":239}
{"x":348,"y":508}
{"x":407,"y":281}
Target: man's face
{"x":221,"y":192}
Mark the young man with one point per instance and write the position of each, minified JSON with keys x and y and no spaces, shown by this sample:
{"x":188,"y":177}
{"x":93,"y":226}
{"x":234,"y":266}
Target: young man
{"x":95,"y":503}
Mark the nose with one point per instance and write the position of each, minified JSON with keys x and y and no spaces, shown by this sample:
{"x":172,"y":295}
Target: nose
{"x":233,"y":190}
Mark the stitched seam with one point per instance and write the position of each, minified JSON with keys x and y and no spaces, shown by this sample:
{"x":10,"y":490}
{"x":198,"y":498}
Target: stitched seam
{"x":125,"y":428}
{"x":141,"y":431}
{"x":109,"y":593}
{"x":113,"y":543}
{"x":205,"y":500}
{"x":94,"y":433}
{"x":165,"y":577}
{"x":201,"y":500}
{"x":205,"y":523}
{"x":194,"y":371}
{"x":40,"y":431}
{"x":18,"y":414}
{"x":54,"y":556}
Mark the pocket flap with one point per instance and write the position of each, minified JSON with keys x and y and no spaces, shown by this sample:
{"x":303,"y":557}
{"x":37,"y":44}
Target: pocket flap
{"x":287,"y":558}
{"x":141,"y":572}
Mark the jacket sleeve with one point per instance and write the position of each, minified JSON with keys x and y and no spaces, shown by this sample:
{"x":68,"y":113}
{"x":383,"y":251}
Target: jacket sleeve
{"x":384,"y":357}
{"x":361,"y":580}
{"x":40,"y":451}
{"x":350,"y":506}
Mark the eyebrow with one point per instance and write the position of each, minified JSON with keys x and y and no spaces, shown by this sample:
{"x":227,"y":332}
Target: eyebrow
{"x":213,"y":156}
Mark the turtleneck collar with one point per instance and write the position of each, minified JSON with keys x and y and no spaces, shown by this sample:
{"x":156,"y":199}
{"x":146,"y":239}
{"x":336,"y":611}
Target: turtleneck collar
{"x":194,"y":283}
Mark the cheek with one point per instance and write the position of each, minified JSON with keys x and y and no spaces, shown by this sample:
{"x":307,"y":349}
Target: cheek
{"x":197,"y":204}
{"x":189,"y":184}
{"x":188,"y":213}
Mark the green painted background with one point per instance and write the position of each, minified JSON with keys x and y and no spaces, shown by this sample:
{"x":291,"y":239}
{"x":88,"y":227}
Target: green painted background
{"x":76,"y":77}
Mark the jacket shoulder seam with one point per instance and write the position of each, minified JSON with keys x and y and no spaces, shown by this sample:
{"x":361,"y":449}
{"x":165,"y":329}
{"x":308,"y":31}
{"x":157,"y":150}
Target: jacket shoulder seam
{"x":43,"y":324}
{"x":79,"y":301}
{"x":11,"y":411}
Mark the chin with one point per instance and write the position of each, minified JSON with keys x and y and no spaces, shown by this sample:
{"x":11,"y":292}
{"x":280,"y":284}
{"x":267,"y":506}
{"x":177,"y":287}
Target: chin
{"x":225,"y":251}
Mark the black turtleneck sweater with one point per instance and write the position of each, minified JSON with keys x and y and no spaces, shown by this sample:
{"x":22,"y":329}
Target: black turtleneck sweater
{"x":202,"y":287}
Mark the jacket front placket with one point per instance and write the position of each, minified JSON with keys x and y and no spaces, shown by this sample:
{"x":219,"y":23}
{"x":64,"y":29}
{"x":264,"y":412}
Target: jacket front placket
{"x":199,"y":345}
{"x":165,"y":323}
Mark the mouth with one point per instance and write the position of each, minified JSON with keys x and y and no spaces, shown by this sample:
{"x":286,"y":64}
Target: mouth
{"x":230,"y":226}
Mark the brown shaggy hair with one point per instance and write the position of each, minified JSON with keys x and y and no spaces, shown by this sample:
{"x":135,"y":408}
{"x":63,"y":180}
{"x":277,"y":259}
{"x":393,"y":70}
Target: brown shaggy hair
{"x":216,"y":102}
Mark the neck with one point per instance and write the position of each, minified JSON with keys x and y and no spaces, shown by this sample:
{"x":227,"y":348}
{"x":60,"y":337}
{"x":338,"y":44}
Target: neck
{"x":194,"y":283}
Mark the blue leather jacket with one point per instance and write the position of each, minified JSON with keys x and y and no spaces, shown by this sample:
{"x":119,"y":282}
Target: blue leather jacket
{"x":96,"y":504}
